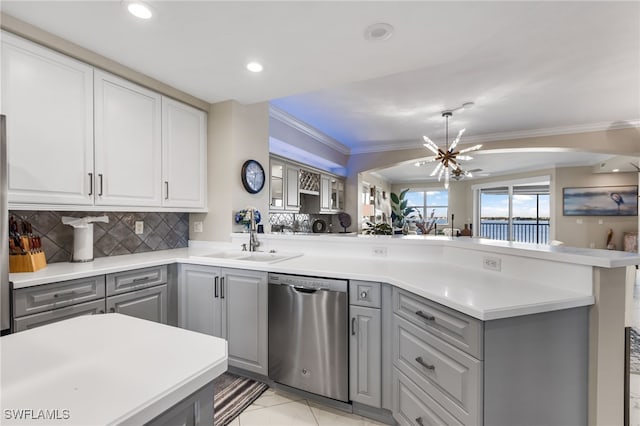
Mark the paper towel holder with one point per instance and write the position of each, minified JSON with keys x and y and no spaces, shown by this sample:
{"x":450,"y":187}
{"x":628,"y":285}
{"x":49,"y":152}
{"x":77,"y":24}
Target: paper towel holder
{"x":83,"y":236}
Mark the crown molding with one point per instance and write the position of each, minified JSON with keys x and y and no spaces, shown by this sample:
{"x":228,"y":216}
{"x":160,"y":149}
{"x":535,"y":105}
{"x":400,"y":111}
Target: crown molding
{"x":280,"y":115}
{"x":493,"y":137}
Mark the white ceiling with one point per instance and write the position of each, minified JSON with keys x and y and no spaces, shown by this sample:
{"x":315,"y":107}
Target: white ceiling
{"x":527,"y":65}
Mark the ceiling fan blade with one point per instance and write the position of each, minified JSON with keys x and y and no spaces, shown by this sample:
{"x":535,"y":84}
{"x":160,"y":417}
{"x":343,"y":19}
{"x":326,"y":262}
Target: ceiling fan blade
{"x":455,"y":142}
{"x":430,"y":145}
{"x":473,"y":148}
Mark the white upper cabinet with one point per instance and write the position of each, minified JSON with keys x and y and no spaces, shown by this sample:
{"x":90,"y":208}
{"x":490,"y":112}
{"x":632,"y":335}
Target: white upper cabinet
{"x":48,"y":100}
{"x":128,"y":146}
{"x":184,"y":155}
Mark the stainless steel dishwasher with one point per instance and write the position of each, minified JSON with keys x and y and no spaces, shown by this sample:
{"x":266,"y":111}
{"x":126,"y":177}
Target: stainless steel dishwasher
{"x":308,"y":334}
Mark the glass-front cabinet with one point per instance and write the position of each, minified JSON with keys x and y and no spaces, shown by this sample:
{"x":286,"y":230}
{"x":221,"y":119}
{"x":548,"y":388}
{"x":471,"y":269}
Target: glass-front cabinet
{"x":337,"y":194}
{"x":277,"y":186}
{"x":284,"y":186}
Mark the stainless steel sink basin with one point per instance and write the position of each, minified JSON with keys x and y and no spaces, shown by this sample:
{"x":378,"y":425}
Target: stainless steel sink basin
{"x":255,"y":256}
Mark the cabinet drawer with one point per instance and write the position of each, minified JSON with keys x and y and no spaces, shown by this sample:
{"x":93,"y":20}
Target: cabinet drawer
{"x":148,"y":303}
{"x":364,"y":293}
{"x":123,"y":282}
{"x":448,"y":375}
{"x":460,"y":330}
{"x":43,"y":318}
{"x":27,"y":301}
{"x":413,"y":407}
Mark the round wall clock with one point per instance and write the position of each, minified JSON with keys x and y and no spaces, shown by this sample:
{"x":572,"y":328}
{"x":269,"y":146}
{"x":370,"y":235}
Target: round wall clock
{"x":252,"y":176}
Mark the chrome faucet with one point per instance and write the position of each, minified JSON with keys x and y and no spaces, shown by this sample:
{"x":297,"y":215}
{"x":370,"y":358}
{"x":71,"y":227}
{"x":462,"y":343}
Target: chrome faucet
{"x":254,"y":243}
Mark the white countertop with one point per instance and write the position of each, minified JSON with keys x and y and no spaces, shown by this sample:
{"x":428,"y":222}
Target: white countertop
{"x":105,"y":369}
{"x":482,"y":294}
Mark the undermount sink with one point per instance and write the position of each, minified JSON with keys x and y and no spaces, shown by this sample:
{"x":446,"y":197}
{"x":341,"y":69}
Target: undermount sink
{"x":253,"y":256}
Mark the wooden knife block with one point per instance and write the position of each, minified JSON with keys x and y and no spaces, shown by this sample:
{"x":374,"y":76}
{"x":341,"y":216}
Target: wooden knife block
{"x":28,"y":262}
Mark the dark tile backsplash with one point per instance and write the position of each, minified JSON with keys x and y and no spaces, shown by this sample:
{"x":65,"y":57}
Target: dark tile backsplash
{"x":161,"y":231}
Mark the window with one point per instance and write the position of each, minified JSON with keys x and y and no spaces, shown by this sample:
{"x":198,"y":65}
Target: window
{"x":427,"y":201}
{"x":516,"y":212}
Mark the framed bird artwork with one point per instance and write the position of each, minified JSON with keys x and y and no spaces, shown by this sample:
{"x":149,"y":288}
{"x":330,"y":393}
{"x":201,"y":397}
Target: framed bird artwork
{"x":600,"y":201}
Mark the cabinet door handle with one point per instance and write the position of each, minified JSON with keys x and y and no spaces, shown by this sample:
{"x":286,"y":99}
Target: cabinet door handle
{"x":425,"y":316}
{"x":101,"y":181}
{"x":166,"y":187}
{"x":221,"y":287}
{"x":215,"y":288}
{"x":90,"y":183}
{"x":420,"y":361}
{"x":353,"y":326}
{"x":419,"y":421}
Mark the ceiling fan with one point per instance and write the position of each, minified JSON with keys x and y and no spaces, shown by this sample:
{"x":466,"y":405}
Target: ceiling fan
{"x":459,"y":174}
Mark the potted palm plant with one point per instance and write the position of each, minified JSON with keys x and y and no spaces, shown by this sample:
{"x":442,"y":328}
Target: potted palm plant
{"x":399,"y":210}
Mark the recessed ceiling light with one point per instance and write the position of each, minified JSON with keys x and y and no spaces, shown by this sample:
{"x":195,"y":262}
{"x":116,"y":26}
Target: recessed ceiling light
{"x":615,"y":170}
{"x":254,"y":67}
{"x":378,"y":32}
{"x":139,"y":10}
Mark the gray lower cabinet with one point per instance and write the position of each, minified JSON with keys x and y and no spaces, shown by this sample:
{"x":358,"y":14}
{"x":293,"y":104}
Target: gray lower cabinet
{"x":140,"y":293}
{"x":149,"y":304}
{"x":47,"y":303}
{"x":452,"y":369}
{"x":200,"y":307}
{"x":47,"y":317}
{"x":365,"y":356}
{"x":246,"y":294}
{"x":365,"y":343}
{"x":227,"y":303}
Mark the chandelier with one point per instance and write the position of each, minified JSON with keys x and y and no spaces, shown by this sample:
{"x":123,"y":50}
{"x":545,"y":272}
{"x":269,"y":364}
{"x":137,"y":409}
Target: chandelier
{"x":448,"y":158}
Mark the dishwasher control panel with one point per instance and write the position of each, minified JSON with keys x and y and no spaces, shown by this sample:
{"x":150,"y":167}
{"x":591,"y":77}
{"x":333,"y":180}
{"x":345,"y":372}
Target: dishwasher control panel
{"x":314,"y":283}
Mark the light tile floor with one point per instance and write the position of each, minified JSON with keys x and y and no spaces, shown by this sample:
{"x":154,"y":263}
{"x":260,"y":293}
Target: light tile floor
{"x":277,"y":408}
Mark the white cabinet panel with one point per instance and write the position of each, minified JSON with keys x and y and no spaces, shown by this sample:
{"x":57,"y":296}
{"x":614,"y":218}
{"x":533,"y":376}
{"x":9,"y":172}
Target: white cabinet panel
{"x":127,"y":143}
{"x":292,"y":182}
{"x":48,"y":100}
{"x":184,"y":155}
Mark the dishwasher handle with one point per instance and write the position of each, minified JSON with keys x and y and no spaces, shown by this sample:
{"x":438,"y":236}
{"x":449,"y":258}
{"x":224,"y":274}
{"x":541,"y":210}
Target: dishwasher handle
{"x":305,"y":290}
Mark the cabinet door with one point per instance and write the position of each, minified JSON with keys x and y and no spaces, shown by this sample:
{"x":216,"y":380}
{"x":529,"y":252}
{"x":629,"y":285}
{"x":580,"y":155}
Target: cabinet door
{"x":48,"y":317}
{"x":127,"y":143}
{"x":48,"y":101}
{"x":365,"y":356}
{"x":292,"y":183}
{"x":325,"y":192}
{"x":200,"y":304}
{"x":277,"y":186}
{"x":184,"y":155}
{"x":246,"y":294}
{"x":149,"y":304}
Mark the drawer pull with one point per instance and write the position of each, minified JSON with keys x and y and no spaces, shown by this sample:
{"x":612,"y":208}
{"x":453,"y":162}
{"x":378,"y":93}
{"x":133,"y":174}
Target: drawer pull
{"x":40,"y":298}
{"x":364,"y":295}
{"x":420,"y":361}
{"x":425,"y":316}
{"x":139,"y":280}
{"x":419,"y":421}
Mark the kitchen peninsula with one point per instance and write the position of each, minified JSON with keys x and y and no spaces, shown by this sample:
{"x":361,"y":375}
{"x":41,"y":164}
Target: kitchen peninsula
{"x":109,"y":369}
{"x":490,"y":283}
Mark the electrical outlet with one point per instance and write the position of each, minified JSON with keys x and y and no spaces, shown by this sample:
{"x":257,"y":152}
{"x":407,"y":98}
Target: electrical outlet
{"x":492,"y":263}
{"x":197,"y":226}
{"x":380,"y":251}
{"x":139,"y":227}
